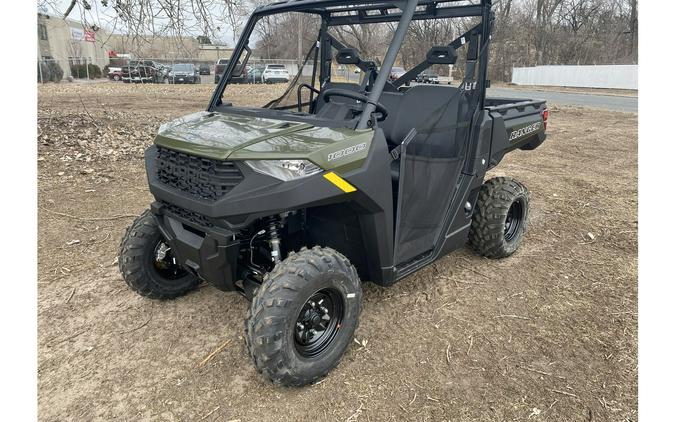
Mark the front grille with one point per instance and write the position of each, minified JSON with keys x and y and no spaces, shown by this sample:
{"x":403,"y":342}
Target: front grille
{"x":199,"y":177}
{"x":187,"y":215}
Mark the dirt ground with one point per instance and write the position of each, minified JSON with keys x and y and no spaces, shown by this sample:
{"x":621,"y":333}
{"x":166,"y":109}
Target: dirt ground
{"x":548,"y":334}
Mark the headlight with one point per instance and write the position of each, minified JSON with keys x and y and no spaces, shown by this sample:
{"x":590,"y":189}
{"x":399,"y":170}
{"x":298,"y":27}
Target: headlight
{"x":285,"y":169}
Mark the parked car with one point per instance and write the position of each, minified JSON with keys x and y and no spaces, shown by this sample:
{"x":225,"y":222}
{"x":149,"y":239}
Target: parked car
{"x":221,"y":65}
{"x":396,"y":72}
{"x":160,"y":69}
{"x":427,"y":77}
{"x":115,"y":73}
{"x":140,"y":74}
{"x":164,"y":70}
{"x":184,"y":73}
{"x":243,"y":78}
{"x":254,"y":76}
{"x":275,"y":73}
{"x":204,"y":69}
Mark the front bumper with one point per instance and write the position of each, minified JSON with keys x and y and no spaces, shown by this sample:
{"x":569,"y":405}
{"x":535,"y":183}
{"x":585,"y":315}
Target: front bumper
{"x":211,"y":255}
{"x":182,"y":79}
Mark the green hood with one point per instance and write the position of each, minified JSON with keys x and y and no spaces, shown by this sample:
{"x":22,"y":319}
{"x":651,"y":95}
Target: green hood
{"x":236,"y":137}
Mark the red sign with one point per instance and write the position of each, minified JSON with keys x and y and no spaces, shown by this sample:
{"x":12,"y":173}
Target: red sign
{"x":90,"y":36}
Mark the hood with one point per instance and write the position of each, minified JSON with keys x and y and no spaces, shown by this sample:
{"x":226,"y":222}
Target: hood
{"x":229,"y":136}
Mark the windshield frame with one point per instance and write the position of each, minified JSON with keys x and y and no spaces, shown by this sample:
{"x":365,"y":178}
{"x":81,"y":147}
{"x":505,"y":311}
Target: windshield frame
{"x":349,"y":12}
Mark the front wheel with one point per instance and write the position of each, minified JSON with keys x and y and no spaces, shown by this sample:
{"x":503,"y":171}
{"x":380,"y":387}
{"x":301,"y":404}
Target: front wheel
{"x":500,"y":218}
{"x":148,"y":264}
{"x":303,"y":318}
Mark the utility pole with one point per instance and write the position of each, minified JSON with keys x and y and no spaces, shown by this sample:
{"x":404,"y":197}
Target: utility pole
{"x":299,"y":41}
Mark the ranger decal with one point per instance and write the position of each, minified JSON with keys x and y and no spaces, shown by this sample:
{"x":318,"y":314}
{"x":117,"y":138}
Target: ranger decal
{"x":526,"y":130}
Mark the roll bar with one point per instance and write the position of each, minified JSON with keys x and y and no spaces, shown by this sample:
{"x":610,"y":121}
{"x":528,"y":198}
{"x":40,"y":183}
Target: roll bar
{"x":350,"y":12}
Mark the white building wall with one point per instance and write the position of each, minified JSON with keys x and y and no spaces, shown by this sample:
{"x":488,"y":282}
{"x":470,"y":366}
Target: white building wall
{"x":61,"y":46}
{"x":603,"y":76}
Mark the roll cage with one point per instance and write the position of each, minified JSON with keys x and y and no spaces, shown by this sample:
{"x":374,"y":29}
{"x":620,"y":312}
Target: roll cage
{"x":355,"y":12}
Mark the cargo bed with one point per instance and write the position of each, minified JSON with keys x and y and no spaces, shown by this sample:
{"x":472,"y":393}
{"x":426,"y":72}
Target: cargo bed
{"x":517,"y":123}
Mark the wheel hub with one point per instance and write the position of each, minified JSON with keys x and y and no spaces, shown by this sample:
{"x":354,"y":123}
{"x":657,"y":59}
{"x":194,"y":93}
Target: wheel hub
{"x":318,"y":322}
{"x":514,"y":218}
{"x":165,"y":263}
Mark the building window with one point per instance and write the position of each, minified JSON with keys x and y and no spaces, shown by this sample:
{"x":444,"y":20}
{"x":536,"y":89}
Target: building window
{"x":77,"y":60}
{"x":42,"y":31}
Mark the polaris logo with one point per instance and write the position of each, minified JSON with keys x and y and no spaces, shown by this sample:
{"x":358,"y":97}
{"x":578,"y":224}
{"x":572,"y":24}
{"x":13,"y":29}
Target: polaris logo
{"x":519,"y":133}
{"x":347,"y":151}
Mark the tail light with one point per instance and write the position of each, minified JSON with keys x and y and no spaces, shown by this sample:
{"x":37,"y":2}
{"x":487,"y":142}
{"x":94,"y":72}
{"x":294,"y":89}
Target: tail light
{"x":544,"y":115}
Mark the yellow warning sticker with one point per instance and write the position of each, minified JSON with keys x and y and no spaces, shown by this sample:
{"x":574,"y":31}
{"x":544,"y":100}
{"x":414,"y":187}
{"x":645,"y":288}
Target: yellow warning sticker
{"x":339,"y":182}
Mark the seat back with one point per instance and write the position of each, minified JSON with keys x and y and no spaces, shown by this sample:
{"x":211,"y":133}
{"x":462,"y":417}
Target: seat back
{"x":326,"y":109}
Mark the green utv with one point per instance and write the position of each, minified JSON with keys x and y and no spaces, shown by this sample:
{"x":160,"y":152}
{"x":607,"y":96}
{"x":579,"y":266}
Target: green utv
{"x":293,"y":203}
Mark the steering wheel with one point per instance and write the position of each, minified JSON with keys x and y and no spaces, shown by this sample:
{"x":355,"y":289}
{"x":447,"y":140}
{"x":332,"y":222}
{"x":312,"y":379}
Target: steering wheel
{"x":334,"y":92}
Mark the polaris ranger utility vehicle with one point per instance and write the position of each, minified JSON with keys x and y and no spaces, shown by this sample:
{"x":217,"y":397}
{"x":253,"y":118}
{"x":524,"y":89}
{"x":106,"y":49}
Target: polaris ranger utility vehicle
{"x":295,"y":202}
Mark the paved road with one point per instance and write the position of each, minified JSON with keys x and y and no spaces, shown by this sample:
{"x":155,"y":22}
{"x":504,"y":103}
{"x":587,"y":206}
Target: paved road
{"x":607,"y":102}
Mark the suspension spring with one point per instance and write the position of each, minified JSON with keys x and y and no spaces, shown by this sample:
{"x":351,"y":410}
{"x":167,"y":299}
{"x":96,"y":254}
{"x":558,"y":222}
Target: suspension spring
{"x":275,"y":242}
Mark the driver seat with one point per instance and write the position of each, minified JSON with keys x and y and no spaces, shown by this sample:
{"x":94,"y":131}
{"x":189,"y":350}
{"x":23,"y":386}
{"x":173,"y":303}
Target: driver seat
{"x":340,"y":107}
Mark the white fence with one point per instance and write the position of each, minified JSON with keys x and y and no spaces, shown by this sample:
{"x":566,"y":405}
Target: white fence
{"x":603,"y":76}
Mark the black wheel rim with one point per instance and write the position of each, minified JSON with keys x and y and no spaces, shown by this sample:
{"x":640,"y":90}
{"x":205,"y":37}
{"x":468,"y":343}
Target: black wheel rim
{"x":318,"y":323}
{"x":164,"y":262}
{"x":514,"y":219}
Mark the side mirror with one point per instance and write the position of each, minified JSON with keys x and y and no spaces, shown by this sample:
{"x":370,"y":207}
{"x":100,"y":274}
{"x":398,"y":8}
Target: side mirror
{"x":442,"y":55}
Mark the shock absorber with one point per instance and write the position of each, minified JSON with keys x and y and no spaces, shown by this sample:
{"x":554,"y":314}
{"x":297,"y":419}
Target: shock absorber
{"x":275,"y":242}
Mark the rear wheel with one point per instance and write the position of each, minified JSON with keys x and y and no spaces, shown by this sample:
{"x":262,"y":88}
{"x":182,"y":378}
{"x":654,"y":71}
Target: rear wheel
{"x":147,"y":262}
{"x":303,"y":318}
{"x":500,"y":218}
